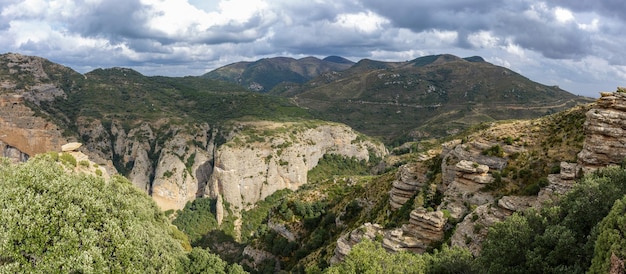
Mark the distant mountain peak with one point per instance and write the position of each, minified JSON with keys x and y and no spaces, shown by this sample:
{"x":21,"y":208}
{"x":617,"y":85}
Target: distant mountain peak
{"x":337,"y":59}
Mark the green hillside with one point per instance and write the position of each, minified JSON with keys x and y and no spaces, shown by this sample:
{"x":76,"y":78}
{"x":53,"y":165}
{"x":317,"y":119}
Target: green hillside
{"x":430,"y":96}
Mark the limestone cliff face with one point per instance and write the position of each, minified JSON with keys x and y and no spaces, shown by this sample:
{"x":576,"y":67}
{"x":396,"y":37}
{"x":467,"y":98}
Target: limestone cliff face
{"x":605,"y":128}
{"x":171,"y":163}
{"x":266,"y":156}
{"x":179,"y":176}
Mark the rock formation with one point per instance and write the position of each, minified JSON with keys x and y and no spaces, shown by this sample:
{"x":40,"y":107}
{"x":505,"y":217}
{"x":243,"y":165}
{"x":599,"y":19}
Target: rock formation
{"x":423,"y":229}
{"x":269,"y":156}
{"x":464,"y":172}
{"x":409,"y":180}
{"x":347,"y":241}
{"x":605,"y":128}
{"x":472,"y":230}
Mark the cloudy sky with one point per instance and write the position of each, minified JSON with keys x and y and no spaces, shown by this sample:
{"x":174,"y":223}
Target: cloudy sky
{"x":579,"y":45}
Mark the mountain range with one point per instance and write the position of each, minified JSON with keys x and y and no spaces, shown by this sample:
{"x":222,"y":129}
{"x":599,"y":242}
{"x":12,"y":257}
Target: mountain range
{"x":431,"y":96}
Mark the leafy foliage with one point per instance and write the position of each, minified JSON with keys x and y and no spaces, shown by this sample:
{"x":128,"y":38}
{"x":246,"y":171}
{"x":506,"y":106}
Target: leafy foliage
{"x":611,"y":239}
{"x":53,"y":221}
{"x":333,"y":164}
{"x":561,"y":237}
{"x":370,"y":257}
{"x":197,"y":218}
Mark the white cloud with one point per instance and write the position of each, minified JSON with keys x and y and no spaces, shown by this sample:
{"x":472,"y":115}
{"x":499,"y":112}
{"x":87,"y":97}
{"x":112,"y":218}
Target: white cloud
{"x":362,"y":21}
{"x":483,"y":39}
{"x":563,"y":15}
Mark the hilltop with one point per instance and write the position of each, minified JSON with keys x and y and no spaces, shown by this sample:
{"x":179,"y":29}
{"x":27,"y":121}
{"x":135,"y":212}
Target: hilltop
{"x":263,"y":75}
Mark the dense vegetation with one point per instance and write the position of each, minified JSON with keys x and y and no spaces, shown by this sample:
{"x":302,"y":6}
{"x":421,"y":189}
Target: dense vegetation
{"x":53,"y":221}
{"x":560,"y":237}
{"x":133,"y":98}
{"x":370,"y":257}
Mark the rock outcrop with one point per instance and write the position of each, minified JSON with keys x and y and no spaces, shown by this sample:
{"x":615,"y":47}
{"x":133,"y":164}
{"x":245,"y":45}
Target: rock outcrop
{"x":409,"y":180}
{"x":465,"y":170}
{"x":472,"y":230}
{"x":347,"y":241}
{"x":424,"y":228}
{"x":605,"y":128}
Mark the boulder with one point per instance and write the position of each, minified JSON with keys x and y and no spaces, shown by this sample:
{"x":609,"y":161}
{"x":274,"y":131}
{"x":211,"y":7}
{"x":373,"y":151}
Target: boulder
{"x":70,"y":147}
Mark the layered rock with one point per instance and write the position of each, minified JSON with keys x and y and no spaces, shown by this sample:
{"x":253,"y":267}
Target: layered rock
{"x":424,"y":228}
{"x":464,"y":172}
{"x":348,"y":240}
{"x":410,"y":178}
{"x":605,"y":128}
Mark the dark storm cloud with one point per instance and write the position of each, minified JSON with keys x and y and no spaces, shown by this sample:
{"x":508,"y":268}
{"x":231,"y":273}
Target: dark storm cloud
{"x":423,"y":15}
{"x":117,"y":20}
{"x":507,"y":19}
{"x":610,"y":8}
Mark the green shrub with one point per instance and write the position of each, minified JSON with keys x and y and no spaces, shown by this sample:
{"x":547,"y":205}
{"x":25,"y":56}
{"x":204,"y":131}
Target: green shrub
{"x":53,"y":221}
{"x":495,"y":150}
{"x":84,"y":163}
{"x":67,"y":159}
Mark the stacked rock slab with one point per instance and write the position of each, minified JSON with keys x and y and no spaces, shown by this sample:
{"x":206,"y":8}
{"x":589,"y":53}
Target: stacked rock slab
{"x":605,"y":128}
{"x":423,"y":229}
{"x":409,"y":180}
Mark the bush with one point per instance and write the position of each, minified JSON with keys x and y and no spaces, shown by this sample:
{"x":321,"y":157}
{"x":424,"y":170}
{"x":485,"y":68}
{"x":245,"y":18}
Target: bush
{"x":53,"y":221}
{"x":495,"y":150}
{"x":67,"y":159}
{"x":84,"y":163}
{"x":58,"y":222}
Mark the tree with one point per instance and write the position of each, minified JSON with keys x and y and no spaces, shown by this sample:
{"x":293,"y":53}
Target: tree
{"x":53,"y":221}
{"x":611,"y":240}
{"x":370,"y":257}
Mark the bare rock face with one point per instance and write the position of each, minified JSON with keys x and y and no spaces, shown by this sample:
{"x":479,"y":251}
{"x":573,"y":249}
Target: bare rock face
{"x":22,"y":134}
{"x":175,"y":182}
{"x":268,"y":156}
{"x":423,"y":229}
{"x":605,"y":128}
{"x":71,"y":146}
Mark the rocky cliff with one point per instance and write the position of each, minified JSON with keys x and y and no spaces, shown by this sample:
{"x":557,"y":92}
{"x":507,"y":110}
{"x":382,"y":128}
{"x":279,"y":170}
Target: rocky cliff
{"x":264,"y":157}
{"x":22,"y":134}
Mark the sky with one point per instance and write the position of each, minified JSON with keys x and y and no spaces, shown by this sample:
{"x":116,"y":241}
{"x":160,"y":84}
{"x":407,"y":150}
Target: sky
{"x":578,"y":45}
